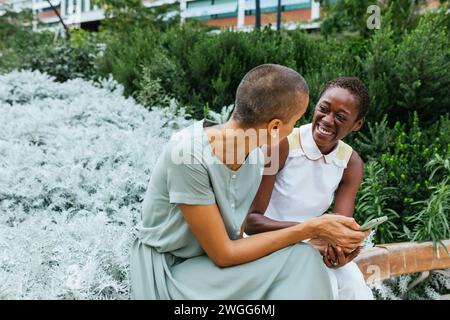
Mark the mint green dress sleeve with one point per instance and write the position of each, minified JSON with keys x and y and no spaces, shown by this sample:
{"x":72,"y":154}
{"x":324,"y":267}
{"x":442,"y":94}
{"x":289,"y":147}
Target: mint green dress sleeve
{"x":188,"y":183}
{"x":167,"y":261}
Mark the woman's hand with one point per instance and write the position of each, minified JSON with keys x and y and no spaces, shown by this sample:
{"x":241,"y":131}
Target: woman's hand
{"x":336,"y":257}
{"x":339,"y":231}
{"x":319,"y":244}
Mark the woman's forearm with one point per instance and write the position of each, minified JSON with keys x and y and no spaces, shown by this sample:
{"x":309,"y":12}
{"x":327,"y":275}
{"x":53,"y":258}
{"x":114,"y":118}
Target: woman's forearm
{"x":257,"y":223}
{"x":259,"y":245}
{"x":207,"y":224}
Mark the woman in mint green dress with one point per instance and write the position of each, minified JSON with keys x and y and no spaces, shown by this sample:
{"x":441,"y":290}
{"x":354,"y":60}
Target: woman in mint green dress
{"x":189,"y":245}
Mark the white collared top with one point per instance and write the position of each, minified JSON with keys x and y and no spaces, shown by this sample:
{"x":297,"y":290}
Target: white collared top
{"x":305,"y":186}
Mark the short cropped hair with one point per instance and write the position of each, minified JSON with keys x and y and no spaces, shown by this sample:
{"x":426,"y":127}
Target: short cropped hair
{"x":356,"y":87}
{"x":268,"y":92}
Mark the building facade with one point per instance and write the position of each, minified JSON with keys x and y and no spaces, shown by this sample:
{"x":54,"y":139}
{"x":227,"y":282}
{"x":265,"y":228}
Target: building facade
{"x":222,"y":13}
{"x":238,"y":14}
{"x":241,"y":13}
{"x":73,"y":12}
{"x":16,"y":5}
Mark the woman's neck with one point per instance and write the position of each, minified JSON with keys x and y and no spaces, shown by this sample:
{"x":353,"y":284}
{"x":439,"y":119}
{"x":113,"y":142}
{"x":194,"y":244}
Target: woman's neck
{"x":326,"y":149}
{"x":232,"y":144}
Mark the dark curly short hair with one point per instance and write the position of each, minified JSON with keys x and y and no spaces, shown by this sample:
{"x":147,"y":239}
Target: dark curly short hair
{"x":356,"y":87}
{"x":267,"y":92}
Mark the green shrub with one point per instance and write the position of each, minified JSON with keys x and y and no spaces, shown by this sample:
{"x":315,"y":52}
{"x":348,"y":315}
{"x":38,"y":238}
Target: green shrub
{"x":432,"y":221}
{"x":199,"y":68}
{"x":216,"y":65}
{"x":412,"y":75}
{"x":125,"y":54}
{"x":63,"y":61}
{"x":373,"y":202}
{"x":374,"y":140}
{"x":402,"y":181}
{"x":380,"y":75}
{"x":433,"y":218}
{"x":21,"y":48}
{"x":423,"y":70}
{"x":151,"y":93}
{"x":18,"y":41}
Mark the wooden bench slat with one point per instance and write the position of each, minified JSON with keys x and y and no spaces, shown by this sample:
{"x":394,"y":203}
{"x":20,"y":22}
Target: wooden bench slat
{"x":387,"y":260}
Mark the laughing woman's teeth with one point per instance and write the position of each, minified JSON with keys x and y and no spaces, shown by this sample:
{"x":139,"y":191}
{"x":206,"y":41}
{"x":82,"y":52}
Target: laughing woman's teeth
{"x":323,"y":130}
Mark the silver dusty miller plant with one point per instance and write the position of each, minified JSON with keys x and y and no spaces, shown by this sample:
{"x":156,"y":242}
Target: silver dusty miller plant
{"x":75,"y":159}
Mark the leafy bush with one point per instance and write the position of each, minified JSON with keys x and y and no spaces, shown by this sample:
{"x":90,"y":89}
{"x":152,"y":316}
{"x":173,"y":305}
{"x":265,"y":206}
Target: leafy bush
{"x":217,"y":63}
{"x":125,"y":54}
{"x":423,"y":70}
{"x":410,"y":76}
{"x":151,"y":93}
{"x":433,"y":218}
{"x":406,"y":172}
{"x":63,"y":61}
{"x":18,"y":41}
{"x":433,"y":221}
{"x":351,"y":15}
{"x":373,"y":203}
{"x":21,"y":48}
{"x":345,"y":15}
{"x":199,"y":68}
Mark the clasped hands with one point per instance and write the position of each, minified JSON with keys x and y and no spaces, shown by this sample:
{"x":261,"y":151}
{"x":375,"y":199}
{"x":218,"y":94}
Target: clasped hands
{"x":334,"y":256}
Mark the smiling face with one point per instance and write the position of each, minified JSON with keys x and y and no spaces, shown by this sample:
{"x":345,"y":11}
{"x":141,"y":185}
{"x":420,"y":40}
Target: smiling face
{"x":335,"y":116}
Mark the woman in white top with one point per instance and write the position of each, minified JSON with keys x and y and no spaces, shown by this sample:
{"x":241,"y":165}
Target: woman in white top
{"x":316,"y":167}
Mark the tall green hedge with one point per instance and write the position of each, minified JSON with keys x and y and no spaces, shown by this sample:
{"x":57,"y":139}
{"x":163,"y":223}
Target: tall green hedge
{"x":404,"y":74}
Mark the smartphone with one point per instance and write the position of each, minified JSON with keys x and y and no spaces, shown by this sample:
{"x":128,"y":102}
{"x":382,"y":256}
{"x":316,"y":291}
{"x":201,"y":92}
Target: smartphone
{"x":373,"y":223}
